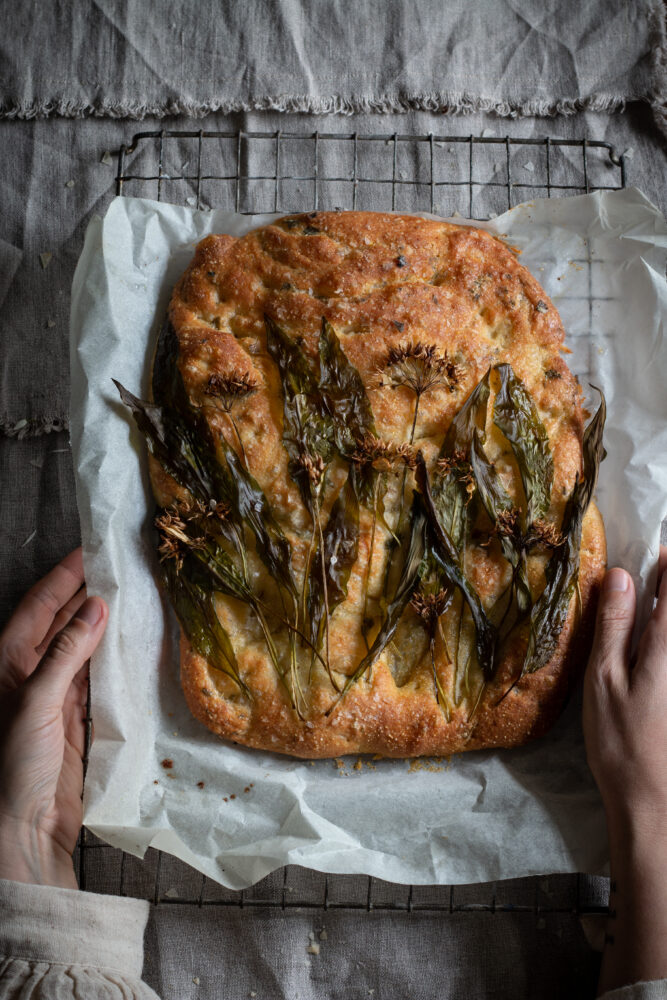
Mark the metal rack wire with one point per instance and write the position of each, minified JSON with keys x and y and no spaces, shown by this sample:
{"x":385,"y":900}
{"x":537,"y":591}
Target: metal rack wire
{"x":422,"y":169}
{"x":252,"y":172}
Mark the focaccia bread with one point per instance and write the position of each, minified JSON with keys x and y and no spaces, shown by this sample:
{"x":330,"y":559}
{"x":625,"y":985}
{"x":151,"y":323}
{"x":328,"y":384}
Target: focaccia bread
{"x":374,"y":489}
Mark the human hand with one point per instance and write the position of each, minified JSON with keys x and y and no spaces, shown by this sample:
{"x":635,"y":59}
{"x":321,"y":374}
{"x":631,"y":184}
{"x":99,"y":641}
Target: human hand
{"x":625,"y":727}
{"x":625,"y":706}
{"x":44,"y":650}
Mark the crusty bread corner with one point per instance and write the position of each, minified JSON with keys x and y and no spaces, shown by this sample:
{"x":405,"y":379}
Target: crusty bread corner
{"x":381,"y":718}
{"x":466,"y":292}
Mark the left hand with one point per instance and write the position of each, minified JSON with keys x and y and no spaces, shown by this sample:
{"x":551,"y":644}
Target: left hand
{"x":44,"y":650}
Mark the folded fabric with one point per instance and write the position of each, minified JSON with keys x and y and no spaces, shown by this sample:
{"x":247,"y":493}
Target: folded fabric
{"x":122,"y":58}
{"x":59,"y":943}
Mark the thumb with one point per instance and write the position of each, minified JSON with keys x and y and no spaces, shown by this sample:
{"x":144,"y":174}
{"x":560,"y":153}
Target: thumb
{"x":610,"y":655}
{"x":69,"y":650}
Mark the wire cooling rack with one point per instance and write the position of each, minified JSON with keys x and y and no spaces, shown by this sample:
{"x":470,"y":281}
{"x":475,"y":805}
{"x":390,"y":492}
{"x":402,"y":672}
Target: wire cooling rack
{"x":253,"y":172}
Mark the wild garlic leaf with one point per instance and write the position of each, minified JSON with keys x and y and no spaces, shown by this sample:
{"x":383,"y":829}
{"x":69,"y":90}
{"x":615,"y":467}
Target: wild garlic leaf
{"x":308,"y":432}
{"x":447,"y":555}
{"x":411,"y":558}
{"x":194,"y":606}
{"x":470,"y":418}
{"x":341,"y":546}
{"x":497,"y":502}
{"x":343,"y":393}
{"x":249,"y":500}
{"x":550,"y":611}
{"x":170,"y":442}
{"x":515,"y":414}
{"x":450,"y":488}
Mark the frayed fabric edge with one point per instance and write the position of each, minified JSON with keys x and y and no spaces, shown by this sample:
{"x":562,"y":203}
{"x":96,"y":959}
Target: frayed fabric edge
{"x":443,"y":103}
{"x":20,"y":429}
{"x":658,"y":16}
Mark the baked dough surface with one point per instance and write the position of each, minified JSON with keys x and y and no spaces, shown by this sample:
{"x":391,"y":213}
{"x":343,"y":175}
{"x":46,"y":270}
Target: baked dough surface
{"x":381,"y":281}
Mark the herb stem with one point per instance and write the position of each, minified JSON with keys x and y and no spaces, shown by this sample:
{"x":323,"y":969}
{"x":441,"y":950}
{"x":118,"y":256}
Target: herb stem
{"x":244,"y":457}
{"x":405,"y":468}
{"x":364,"y":628}
{"x":318,"y":522}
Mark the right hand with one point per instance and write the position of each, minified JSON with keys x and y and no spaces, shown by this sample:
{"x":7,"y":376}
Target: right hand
{"x":625,"y":706}
{"x":625,"y":726}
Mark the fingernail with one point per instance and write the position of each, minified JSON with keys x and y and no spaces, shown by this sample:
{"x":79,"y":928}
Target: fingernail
{"x":90,"y":612}
{"x":615,"y":580}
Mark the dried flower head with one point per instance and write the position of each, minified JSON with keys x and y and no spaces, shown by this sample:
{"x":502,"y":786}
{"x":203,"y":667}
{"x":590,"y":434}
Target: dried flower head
{"x":172,"y":526}
{"x":382,"y":455}
{"x":429,"y":607}
{"x":458,"y":465}
{"x":314,"y":466}
{"x":508,"y":523}
{"x":544,"y":534}
{"x":230,"y":387}
{"x":420,"y":367}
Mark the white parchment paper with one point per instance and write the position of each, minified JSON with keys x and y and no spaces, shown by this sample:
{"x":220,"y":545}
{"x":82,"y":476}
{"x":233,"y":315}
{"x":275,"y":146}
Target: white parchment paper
{"x":237,"y":814}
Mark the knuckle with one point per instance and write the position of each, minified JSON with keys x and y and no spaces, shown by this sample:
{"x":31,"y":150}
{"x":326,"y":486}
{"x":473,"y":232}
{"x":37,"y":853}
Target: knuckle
{"x":64,"y":645}
{"x":615,"y":616}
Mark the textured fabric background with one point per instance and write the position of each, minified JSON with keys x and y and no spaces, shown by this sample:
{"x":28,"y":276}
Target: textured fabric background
{"x":509,"y":56}
{"x":105,"y":60}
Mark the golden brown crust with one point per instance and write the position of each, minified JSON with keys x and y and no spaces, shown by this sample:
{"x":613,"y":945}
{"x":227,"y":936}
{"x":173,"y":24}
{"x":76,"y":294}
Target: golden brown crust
{"x":381,"y":281}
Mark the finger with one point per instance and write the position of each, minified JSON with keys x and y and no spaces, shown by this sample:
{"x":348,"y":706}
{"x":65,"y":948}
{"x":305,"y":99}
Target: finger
{"x":75,"y":711}
{"x":69,"y":651}
{"x":610,"y":655}
{"x":36,"y":611}
{"x":662,"y":564}
{"x":63,"y":617}
{"x":660,"y":609}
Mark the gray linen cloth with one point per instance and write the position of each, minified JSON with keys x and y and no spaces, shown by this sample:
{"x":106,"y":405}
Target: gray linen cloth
{"x":124,"y":58}
{"x":57,"y":944}
{"x":120,"y":59}
{"x":485,"y":946}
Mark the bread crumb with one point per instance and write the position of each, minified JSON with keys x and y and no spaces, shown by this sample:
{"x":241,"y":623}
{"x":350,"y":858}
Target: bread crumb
{"x":167,"y":763}
{"x":323,"y":935}
{"x":358,"y":764}
{"x":106,"y":158}
{"x":69,"y":184}
{"x":195,"y":980}
{"x":200,"y":784}
{"x":313,"y":948}
{"x":45,"y":259}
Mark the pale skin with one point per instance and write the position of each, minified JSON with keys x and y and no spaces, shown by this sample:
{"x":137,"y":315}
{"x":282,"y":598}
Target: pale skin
{"x":44,"y":651}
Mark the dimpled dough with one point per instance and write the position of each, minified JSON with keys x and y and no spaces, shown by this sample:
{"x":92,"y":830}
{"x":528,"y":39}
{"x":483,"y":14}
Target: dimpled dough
{"x":381,"y":281}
